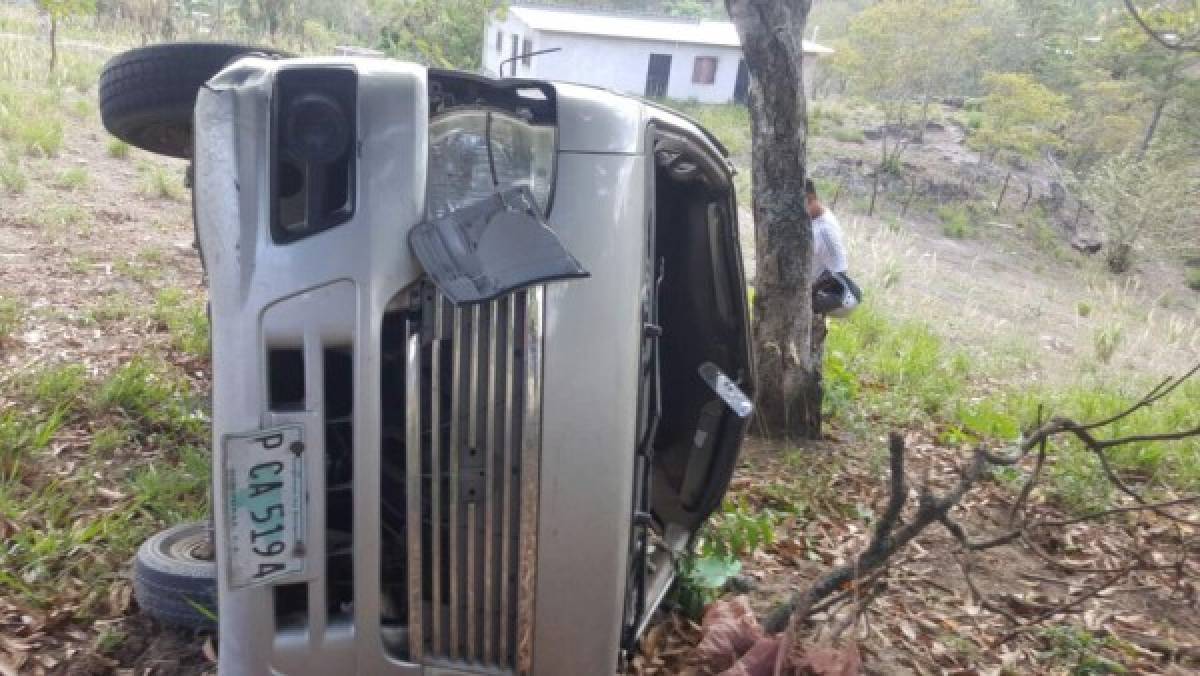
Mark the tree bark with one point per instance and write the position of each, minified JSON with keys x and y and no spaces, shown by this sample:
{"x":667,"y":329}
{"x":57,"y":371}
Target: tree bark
{"x":789,"y":400}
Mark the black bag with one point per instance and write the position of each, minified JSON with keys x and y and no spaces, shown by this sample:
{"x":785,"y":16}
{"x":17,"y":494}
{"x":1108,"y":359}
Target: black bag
{"x":835,"y":294}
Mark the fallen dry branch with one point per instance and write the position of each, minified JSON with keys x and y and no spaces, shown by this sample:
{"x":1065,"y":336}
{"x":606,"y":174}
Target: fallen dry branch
{"x":856,"y":580}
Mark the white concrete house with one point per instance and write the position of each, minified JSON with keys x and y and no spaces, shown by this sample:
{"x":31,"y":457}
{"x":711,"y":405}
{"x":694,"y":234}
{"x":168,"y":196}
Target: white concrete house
{"x":675,"y":58}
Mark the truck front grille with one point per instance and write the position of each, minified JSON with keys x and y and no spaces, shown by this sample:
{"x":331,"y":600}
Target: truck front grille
{"x":471,"y":445}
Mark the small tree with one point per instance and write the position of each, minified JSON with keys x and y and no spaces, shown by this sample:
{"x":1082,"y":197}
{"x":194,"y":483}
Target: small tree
{"x":1020,"y":116}
{"x":440,"y":33}
{"x":58,"y":10}
{"x":1161,"y":79}
{"x":1137,"y":198}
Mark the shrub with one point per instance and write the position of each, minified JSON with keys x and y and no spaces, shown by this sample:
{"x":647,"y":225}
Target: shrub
{"x":73,"y":179}
{"x":118,"y":149}
{"x":10,"y":318}
{"x":1192,"y":279}
{"x":1107,"y":340}
{"x":40,"y":135}
{"x":160,"y":182}
{"x":1083,"y":309}
{"x":956,"y":221}
{"x":59,"y":387}
{"x":12,"y":178}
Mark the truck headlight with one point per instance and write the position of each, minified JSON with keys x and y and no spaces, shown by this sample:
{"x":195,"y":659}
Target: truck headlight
{"x":476,"y":152}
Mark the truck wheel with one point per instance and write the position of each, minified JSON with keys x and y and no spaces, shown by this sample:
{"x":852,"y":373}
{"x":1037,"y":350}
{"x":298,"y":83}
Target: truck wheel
{"x":175,"y":577}
{"x":147,"y":94}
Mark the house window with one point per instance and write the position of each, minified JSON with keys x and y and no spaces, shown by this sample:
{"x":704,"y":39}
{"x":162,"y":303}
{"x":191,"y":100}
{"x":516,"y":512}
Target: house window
{"x":499,"y":42}
{"x":526,"y":47}
{"x":516,"y":44}
{"x":704,"y":70}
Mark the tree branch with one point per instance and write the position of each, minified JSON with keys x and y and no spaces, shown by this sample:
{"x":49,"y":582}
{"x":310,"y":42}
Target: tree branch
{"x":892,"y":534}
{"x":1179,"y":46}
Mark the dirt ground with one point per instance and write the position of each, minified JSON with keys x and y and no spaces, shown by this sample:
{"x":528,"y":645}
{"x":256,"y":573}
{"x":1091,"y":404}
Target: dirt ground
{"x":926,"y":620}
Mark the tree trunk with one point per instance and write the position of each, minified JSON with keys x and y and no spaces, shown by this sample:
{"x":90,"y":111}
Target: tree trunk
{"x":53,"y":41}
{"x":883,"y":156}
{"x":1152,"y":127}
{"x":789,"y":393}
{"x":1003,"y":192}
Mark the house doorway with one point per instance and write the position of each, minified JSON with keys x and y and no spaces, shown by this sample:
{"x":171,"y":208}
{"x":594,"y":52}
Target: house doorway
{"x":658,"y":74}
{"x":741,"y":86}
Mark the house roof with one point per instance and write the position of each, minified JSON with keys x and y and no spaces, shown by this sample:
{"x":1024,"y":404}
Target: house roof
{"x":703,"y":32}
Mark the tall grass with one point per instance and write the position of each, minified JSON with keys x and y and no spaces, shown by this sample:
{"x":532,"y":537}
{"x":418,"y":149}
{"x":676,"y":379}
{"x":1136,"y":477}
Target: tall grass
{"x":77,"y":527}
{"x":900,"y":373}
{"x":11,"y":315}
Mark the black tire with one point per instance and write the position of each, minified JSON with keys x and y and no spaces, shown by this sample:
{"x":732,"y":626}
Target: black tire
{"x":147,"y":94}
{"x":173,"y":582}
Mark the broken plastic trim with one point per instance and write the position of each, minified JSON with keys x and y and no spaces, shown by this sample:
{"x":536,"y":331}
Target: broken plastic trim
{"x":492,"y":247}
{"x":726,"y":389}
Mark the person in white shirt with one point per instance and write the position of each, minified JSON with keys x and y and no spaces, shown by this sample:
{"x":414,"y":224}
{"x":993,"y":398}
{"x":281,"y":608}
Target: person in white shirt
{"x":827,"y":274}
{"x":829,"y":253}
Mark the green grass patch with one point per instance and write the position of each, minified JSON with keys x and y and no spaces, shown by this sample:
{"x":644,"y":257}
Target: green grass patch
{"x":111,"y":308}
{"x":106,"y":440}
{"x":1080,"y":651}
{"x":67,"y":539}
{"x":176,"y":491}
{"x":22,"y":435}
{"x":154,"y":397}
{"x":1107,"y":340}
{"x":12,"y":178}
{"x":56,"y":219}
{"x":162,"y":182}
{"x":61,"y":387}
{"x":896,"y":373}
{"x":11,"y":316}
{"x":117,"y":149}
{"x":957,"y":221}
{"x":905,"y":371}
{"x":39,"y":136}
{"x":849,"y":135}
{"x":186,"y":319}
{"x":74,"y":178}
{"x":1192,"y":279}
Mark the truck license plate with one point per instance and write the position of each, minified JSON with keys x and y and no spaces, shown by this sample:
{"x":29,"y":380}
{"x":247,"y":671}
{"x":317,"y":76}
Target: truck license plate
{"x":265,"y":516}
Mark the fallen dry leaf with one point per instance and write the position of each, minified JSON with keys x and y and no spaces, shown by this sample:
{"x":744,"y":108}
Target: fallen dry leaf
{"x":827,"y":660}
